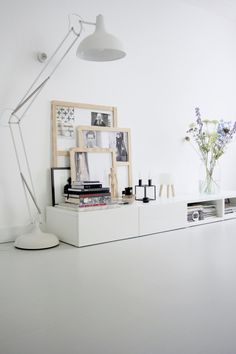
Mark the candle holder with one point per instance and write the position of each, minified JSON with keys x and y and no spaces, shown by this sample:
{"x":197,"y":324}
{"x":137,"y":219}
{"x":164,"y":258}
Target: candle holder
{"x":127,"y":195}
{"x":145,"y":192}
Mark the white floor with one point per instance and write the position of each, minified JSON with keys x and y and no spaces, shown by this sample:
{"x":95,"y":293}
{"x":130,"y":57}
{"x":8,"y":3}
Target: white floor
{"x":172,"y":293}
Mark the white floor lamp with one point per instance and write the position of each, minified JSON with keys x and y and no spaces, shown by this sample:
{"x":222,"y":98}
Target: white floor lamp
{"x":99,"y":46}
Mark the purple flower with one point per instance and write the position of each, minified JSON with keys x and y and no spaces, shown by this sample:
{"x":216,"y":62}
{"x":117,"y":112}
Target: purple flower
{"x":199,"y":120}
{"x":211,"y":137}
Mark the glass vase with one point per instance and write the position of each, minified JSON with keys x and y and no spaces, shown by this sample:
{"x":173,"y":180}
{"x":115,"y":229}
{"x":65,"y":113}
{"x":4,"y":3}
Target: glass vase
{"x":209,"y":180}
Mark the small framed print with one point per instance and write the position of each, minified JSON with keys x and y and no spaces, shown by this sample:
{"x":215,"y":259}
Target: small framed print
{"x":66,"y":116}
{"x":101,"y":119}
{"x":59,"y":178}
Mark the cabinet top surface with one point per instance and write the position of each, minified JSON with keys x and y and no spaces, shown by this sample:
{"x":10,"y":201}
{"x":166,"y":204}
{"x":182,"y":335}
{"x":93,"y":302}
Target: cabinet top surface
{"x":188,"y":198}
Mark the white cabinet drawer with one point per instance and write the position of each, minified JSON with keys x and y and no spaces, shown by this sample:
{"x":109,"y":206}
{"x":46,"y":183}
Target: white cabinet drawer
{"x":113,"y":224}
{"x":161,"y":217}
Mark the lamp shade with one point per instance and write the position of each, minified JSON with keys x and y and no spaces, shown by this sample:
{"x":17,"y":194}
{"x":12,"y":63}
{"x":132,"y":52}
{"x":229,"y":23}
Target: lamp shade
{"x":100,"y":46}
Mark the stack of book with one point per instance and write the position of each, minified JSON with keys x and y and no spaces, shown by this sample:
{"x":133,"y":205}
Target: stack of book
{"x":87,"y":194}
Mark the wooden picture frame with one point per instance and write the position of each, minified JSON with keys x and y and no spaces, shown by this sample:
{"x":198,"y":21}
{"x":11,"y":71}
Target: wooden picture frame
{"x":116,"y":138}
{"x":92,"y":164}
{"x":66,"y":116}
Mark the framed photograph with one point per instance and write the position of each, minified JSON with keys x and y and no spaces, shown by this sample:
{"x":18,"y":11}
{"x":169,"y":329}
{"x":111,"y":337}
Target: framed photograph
{"x":101,"y":119}
{"x":93,"y":165}
{"x":90,"y":138}
{"x":106,"y":138}
{"x":117,"y":139}
{"x":66,"y":116}
{"x":59,"y":178}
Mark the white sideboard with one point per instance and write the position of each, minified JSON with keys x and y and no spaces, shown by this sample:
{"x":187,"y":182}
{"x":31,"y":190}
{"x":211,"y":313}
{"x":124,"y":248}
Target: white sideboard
{"x":89,"y":227}
{"x":83,"y":228}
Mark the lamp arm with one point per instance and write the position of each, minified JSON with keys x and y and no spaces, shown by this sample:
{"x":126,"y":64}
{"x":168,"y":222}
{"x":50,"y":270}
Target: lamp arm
{"x":30,"y":192}
{"x":22,"y":103}
{"x":19,"y":164}
{"x":87,"y":23}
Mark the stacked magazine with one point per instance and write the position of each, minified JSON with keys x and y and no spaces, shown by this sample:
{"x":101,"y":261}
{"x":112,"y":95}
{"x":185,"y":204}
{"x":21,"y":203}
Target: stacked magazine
{"x":209,"y":211}
{"x":198,"y":212}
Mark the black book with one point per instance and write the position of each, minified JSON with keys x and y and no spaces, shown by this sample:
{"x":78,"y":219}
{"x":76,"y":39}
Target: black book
{"x":88,"y":191}
{"x":86,"y":195}
{"x":91,"y":182}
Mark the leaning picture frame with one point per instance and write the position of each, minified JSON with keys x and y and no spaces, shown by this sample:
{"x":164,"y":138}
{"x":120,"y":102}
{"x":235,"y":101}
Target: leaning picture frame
{"x":66,"y":116}
{"x":59,"y":178}
{"x":118,"y":139}
{"x":94,"y":164}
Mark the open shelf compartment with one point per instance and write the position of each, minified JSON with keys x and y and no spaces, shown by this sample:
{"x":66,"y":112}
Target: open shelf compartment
{"x":204,"y":211}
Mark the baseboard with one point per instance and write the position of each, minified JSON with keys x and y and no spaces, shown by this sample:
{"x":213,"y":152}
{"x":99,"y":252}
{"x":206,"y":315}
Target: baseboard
{"x":9,"y":234}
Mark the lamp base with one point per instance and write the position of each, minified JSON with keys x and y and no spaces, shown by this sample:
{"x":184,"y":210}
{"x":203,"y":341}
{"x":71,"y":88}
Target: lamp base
{"x":36,"y":240}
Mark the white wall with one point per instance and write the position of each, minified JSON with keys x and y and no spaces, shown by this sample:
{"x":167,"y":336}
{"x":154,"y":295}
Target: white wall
{"x":178,"y":57}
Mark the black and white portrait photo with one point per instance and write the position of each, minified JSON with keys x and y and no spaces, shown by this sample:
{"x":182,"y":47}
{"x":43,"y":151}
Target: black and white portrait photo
{"x":121,"y":146}
{"x":100,"y":119}
{"x":90,"y":139}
